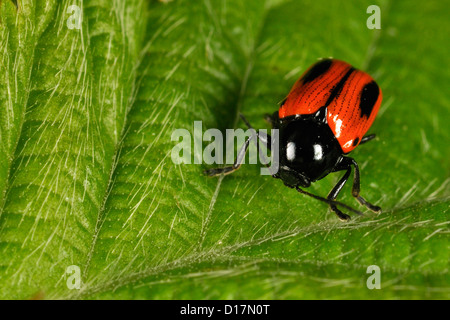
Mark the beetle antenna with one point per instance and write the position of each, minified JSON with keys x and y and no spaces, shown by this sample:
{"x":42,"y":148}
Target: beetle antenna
{"x":337,"y":203}
{"x":245,"y":121}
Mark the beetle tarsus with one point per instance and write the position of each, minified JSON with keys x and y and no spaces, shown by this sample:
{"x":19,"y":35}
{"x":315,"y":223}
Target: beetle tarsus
{"x":342,"y":216}
{"x":218,"y":171}
{"x":368,"y":138}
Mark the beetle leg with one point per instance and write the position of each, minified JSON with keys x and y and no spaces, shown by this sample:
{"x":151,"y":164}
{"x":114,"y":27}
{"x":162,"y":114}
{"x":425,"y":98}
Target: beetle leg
{"x":335,"y":191}
{"x":237,"y":163}
{"x":262,"y":137}
{"x":367,"y":138}
{"x":347,"y":164}
{"x":356,"y":189}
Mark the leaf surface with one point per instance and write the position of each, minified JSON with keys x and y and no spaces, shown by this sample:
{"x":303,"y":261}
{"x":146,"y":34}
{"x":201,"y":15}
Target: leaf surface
{"x":86,"y":176}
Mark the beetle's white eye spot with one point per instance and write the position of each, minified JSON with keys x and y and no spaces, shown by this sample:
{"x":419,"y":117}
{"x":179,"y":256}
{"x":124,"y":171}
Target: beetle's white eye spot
{"x":290,"y":151}
{"x":318,"y":152}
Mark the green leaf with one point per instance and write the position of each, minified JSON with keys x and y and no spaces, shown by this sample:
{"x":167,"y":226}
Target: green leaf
{"x":86,"y":176}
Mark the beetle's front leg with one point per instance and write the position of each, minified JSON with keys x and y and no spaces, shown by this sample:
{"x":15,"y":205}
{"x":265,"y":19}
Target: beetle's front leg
{"x":335,"y":192}
{"x":356,"y":189}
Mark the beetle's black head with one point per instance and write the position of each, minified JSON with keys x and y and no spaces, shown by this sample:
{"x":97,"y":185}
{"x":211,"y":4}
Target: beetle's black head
{"x":308,"y":151}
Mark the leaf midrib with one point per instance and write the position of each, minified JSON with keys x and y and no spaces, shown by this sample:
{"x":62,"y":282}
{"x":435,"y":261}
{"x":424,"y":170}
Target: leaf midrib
{"x":242,"y":91}
{"x":114,"y":163}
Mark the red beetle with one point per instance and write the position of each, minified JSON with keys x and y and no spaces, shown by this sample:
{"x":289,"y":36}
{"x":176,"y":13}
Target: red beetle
{"x":325,"y":116}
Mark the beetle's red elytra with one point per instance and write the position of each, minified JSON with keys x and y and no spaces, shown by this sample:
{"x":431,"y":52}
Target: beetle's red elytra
{"x":324,"y":117}
{"x":351,"y":96}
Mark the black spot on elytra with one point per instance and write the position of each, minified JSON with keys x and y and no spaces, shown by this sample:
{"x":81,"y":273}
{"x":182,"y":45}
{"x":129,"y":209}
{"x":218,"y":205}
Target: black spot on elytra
{"x":318,"y":69}
{"x":338,"y":88}
{"x":355,"y":142}
{"x":369,"y":97}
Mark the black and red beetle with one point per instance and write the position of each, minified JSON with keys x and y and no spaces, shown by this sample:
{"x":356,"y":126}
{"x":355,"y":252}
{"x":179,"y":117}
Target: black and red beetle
{"x":324,"y":117}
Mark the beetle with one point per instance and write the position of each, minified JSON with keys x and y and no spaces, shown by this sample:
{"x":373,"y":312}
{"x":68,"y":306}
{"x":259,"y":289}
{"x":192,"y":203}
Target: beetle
{"x":324,"y":117}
